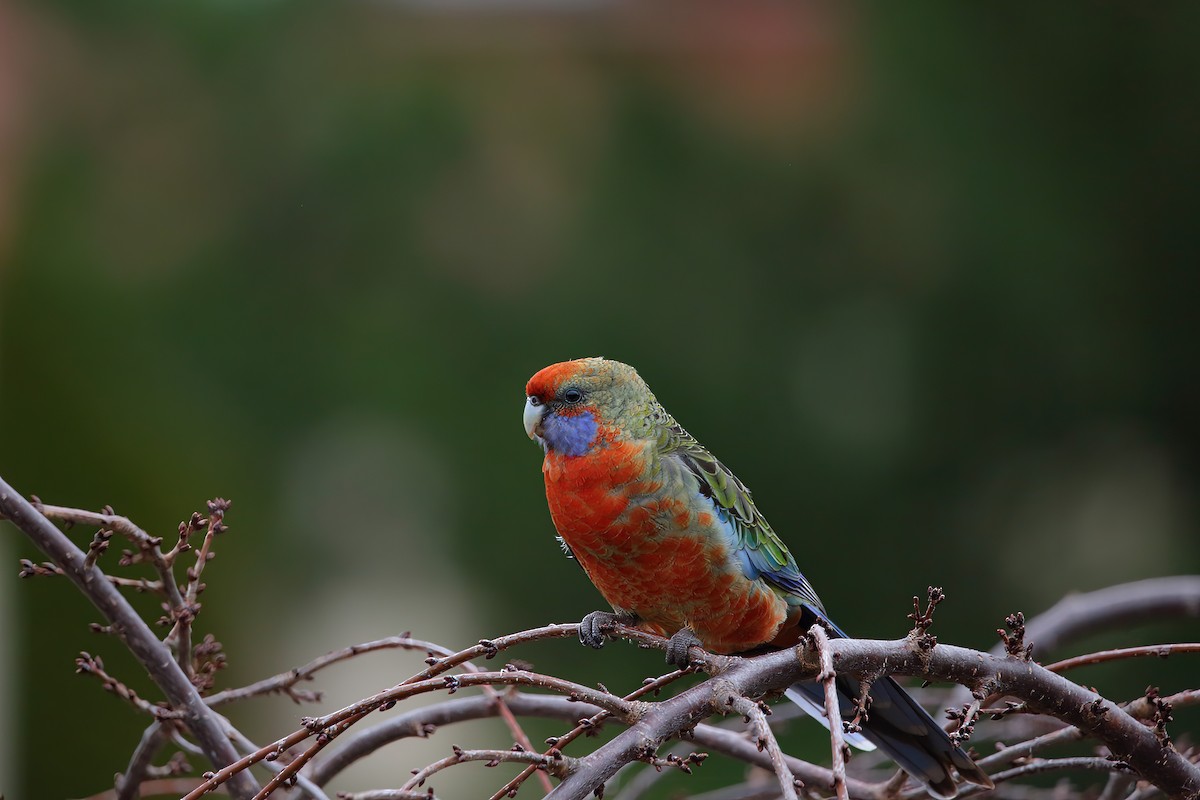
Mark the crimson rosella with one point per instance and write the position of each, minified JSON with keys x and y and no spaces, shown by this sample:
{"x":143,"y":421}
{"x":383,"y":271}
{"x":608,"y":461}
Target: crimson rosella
{"x":674,"y":542}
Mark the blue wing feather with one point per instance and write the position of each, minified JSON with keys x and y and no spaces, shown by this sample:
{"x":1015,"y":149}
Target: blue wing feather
{"x":758,"y":561}
{"x":758,"y":549}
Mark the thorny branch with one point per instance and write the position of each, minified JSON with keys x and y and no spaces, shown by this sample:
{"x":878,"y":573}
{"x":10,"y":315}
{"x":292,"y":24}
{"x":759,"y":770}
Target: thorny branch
{"x":1135,"y":734}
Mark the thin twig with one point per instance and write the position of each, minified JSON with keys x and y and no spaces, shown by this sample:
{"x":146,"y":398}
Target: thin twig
{"x":386,"y":794}
{"x":181,"y":633}
{"x":1138,"y":709}
{"x":643,"y":781}
{"x":735,"y":745}
{"x":290,"y":772}
{"x":88,"y":664}
{"x":828,"y":678}
{"x":1159,"y":650}
{"x":332,"y":725}
{"x":591,"y":724}
{"x":306,"y":786}
{"x":556,"y":764}
{"x":284,"y":681}
{"x":150,"y":545}
{"x":152,"y":741}
{"x":1039,"y":765}
{"x":1078,"y":615}
{"x":765,"y":740}
{"x":966,"y":717}
{"x":512,"y":677}
{"x":421,"y":722}
{"x":30,"y":569}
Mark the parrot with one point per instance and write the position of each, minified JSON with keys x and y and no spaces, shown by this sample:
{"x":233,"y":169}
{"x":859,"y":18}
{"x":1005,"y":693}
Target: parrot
{"x":676,"y":546}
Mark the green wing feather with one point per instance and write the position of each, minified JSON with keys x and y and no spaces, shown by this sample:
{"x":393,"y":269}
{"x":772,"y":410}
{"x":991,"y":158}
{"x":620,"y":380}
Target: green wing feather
{"x":763,"y":552}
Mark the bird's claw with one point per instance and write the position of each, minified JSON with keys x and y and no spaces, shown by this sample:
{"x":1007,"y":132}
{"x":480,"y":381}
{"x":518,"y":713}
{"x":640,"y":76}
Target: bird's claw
{"x":678,"y":646}
{"x":591,"y":627}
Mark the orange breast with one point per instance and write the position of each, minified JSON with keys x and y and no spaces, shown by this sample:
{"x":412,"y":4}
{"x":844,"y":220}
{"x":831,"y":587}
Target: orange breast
{"x":654,"y":554}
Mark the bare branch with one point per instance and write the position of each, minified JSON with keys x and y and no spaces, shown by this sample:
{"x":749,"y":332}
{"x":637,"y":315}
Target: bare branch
{"x":421,"y":722}
{"x":97,"y":547}
{"x":181,"y":633}
{"x":306,"y":786}
{"x":286,"y":681}
{"x":922,"y":620}
{"x":966,"y":718}
{"x":555,"y":763}
{"x":756,"y":714}
{"x":734,"y":745}
{"x":1127,"y":738}
{"x":619,"y":708}
{"x":88,"y":664}
{"x":1159,"y":650}
{"x":153,"y":739}
{"x":48,"y":569}
{"x":1078,"y":615}
{"x":1140,"y":709}
{"x":290,"y":773}
{"x":386,"y":794}
{"x":129,"y":627}
{"x":591,"y":724}
{"x":828,"y":677}
{"x":1039,"y":765}
{"x":148,"y":546}
{"x":331,"y":725}
{"x":1014,"y":642}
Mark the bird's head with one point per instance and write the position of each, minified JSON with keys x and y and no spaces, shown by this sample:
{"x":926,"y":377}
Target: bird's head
{"x":572,"y":405}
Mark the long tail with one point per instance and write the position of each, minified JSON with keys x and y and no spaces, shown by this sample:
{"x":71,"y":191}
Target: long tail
{"x":900,"y":728}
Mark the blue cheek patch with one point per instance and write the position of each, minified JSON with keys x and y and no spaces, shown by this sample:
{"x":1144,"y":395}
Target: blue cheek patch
{"x":571,"y":436}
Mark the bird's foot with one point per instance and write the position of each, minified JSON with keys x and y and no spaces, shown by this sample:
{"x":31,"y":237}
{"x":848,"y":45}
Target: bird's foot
{"x":678,"y":646}
{"x":591,"y":628}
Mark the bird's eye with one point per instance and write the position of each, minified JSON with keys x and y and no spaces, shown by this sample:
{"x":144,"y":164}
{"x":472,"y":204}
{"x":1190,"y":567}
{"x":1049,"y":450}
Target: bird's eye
{"x":572,"y":396}
{"x":534,"y":401}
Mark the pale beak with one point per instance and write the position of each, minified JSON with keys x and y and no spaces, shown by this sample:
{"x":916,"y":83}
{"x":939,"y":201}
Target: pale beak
{"x":533,"y":418}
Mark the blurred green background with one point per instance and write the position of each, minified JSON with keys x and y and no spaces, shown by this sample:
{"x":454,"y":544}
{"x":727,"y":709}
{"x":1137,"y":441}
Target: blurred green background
{"x":926,"y":279}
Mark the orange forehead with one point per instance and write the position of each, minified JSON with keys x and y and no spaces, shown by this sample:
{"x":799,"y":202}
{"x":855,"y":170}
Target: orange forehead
{"x":548,"y":380}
